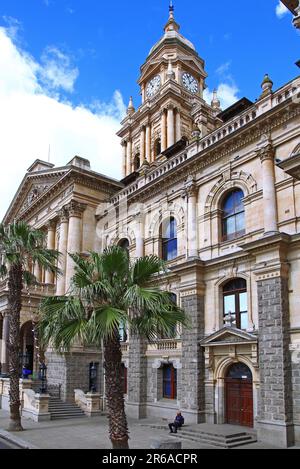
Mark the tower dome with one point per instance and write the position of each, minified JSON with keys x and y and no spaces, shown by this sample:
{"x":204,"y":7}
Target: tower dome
{"x":172,"y":33}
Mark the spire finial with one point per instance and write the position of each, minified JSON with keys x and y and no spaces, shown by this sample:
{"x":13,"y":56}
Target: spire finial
{"x":171,"y":24}
{"x":130,"y":109}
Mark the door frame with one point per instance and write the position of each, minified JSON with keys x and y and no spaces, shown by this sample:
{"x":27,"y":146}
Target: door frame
{"x":239,"y":381}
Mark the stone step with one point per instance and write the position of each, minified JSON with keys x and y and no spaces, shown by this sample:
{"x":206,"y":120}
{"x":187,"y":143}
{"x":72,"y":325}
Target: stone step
{"x":60,"y":410}
{"x":211,"y":438}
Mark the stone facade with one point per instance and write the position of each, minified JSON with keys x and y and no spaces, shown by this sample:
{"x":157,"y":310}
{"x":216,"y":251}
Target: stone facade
{"x":276,"y":393}
{"x":71,"y":371}
{"x":182,"y":159}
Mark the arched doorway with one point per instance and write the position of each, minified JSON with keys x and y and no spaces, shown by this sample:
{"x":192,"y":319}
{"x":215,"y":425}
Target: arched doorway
{"x":239,"y":395}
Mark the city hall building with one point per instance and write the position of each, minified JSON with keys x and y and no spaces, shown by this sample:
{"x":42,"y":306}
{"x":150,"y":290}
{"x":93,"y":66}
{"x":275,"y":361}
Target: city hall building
{"x":216,"y":194}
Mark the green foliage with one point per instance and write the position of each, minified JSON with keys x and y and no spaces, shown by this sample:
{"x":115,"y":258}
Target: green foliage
{"x":22,"y":245}
{"x":107,"y":292}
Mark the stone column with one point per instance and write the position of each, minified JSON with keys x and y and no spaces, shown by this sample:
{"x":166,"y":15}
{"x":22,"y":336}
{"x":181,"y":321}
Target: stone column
{"x":266,"y":153}
{"x":140,"y":235}
{"x":49,"y":277}
{"x":62,"y":248}
{"x":129,"y":157}
{"x":125,"y":167}
{"x":142,"y":144}
{"x":5,"y":342}
{"x":148,"y":143}
{"x":37,"y":272}
{"x":178,"y":125}
{"x":163,"y":130}
{"x":275,"y":400}
{"x":192,"y":228}
{"x":137,"y":378}
{"x":170,"y":126}
{"x":192,"y":385}
{"x":74,"y":246}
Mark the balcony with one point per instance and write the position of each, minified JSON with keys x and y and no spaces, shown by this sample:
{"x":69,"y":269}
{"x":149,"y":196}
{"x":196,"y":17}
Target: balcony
{"x":164,"y":345}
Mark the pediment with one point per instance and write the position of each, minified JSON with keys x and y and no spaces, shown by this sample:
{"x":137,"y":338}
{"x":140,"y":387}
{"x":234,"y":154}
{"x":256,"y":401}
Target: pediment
{"x":229,"y":335}
{"x":33,"y":186}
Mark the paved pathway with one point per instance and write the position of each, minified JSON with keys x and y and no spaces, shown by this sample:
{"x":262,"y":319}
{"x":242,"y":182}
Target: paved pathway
{"x":5,"y":445}
{"x":91,"y":434}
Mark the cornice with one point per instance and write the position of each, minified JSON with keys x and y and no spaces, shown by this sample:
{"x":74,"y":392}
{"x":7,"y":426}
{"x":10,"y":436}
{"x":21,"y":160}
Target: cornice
{"x":66,"y":183}
{"x":252,"y":132}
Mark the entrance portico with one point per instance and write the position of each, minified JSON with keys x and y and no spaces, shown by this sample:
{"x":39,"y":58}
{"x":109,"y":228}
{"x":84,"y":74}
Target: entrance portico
{"x":231,"y":377}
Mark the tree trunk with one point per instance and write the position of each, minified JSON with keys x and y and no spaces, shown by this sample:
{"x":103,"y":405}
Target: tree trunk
{"x":118,"y":427}
{"x":15,"y":287}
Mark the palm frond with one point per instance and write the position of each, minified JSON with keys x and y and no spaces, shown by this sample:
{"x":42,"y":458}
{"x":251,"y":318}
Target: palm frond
{"x":144,"y":268}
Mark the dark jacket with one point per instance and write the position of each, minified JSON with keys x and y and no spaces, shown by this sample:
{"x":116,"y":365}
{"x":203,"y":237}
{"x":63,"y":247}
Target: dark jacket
{"x":179,"y":420}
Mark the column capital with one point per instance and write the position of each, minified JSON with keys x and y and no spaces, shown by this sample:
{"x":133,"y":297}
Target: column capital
{"x":170,"y":107}
{"x":51,"y":225}
{"x":63,"y":215}
{"x":191,"y":187}
{"x":265,"y":149}
{"x":124,"y":143}
{"x":76,"y":209}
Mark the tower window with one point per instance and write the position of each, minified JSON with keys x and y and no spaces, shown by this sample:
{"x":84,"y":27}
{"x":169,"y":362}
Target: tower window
{"x":157,"y":147}
{"x":137,"y":163}
{"x":233,"y":218}
{"x":169,"y":240}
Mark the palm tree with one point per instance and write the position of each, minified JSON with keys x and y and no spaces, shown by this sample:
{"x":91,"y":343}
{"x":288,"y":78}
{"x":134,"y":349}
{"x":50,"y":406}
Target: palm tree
{"x":20,"y":247}
{"x":109,"y":291}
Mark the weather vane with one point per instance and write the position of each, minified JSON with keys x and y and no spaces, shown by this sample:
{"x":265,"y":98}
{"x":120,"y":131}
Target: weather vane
{"x":171,"y":5}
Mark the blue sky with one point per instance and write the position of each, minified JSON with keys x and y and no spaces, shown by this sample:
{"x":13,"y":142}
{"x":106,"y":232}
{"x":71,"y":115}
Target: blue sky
{"x":78,"y":61}
{"x":108,"y":41}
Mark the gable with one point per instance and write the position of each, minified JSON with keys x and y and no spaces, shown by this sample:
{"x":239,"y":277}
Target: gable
{"x":33,"y":186}
{"x":229,"y":335}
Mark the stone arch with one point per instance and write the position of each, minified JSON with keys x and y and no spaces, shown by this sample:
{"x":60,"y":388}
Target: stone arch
{"x":177,"y":213}
{"x":124,"y":235}
{"x":227,"y":182}
{"x":223,"y":366}
{"x":296,"y":150}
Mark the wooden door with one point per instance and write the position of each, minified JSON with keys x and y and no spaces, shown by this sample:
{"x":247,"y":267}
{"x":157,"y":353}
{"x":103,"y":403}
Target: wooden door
{"x":239,"y":402}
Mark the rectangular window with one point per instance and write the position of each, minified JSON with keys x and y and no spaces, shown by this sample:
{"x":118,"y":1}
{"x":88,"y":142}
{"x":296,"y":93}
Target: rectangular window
{"x":169,"y":382}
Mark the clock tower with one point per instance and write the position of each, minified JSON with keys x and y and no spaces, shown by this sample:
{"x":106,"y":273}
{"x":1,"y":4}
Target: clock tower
{"x":172,"y":83}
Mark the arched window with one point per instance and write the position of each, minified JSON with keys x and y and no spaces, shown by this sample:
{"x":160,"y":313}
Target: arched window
{"x":169,"y":239}
{"x":137,"y":162}
{"x":124,"y":244}
{"x":169,"y":382}
{"x":236,"y":303}
{"x":233,"y":217}
{"x":157,"y":147}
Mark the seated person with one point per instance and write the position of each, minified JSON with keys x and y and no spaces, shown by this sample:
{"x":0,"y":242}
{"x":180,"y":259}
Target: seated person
{"x":178,"y":423}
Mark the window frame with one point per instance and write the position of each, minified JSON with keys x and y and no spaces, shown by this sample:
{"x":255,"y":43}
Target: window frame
{"x":234,"y":215}
{"x":166,"y":242}
{"x":172,"y":382}
{"x":236,"y":293}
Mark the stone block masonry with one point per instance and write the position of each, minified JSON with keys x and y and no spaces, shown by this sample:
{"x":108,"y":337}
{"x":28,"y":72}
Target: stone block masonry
{"x":275,"y":416}
{"x":193,"y":364}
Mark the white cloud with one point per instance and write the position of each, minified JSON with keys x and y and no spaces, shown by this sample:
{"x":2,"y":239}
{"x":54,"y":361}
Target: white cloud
{"x":31,"y":118}
{"x":281,"y":10}
{"x":227,"y":94}
{"x":57,"y":70}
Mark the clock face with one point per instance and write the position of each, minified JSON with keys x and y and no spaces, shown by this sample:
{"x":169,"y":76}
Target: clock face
{"x":190,"y":83}
{"x":153,"y":86}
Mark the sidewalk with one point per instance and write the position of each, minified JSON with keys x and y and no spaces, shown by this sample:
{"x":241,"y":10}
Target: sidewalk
{"x":88,"y":433}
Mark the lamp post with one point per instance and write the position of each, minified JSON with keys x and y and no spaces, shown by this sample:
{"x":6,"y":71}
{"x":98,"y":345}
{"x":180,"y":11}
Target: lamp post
{"x":43,"y":378}
{"x":93,"y":378}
